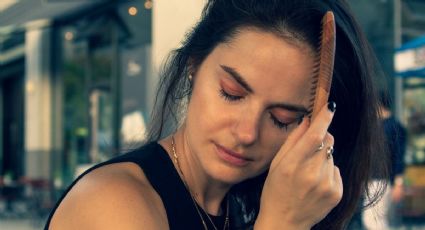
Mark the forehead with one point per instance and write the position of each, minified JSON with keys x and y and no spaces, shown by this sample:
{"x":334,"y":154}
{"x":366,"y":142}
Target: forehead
{"x":269,"y":63}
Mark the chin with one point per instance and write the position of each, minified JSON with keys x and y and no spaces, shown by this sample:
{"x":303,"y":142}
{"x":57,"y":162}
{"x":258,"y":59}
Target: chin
{"x":230,"y":175}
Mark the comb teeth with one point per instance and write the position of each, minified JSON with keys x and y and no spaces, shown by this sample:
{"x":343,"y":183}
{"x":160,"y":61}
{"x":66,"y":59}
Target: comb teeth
{"x":323,"y":68}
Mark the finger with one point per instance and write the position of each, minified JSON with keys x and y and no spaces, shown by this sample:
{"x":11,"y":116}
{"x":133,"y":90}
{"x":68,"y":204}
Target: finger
{"x":296,"y":134}
{"x":330,"y":169}
{"x":330,"y":181}
{"x":322,"y":155}
{"x":328,"y":160}
{"x":319,"y":164}
{"x":292,"y":139}
{"x":316,"y":133}
{"x":329,"y":147}
{"x":338,"y":184}
{"x":321,"y":123}
{"x":335,"y":183}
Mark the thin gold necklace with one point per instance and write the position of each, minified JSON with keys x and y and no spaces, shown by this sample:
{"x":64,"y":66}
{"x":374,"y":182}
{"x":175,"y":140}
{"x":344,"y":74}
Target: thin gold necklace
{"x":195,"y":203}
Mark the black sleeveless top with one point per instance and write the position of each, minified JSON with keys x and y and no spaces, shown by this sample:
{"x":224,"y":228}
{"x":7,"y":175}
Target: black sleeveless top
{"x":162,"y":175}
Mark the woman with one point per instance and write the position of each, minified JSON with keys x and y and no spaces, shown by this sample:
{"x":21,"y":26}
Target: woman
{"x":231,"y":146}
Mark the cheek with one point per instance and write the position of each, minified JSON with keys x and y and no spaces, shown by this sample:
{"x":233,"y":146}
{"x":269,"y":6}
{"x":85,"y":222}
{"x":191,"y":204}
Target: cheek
{"x":272,"y":141}
{"x":205,"y":110}
{"x":274,"y":144}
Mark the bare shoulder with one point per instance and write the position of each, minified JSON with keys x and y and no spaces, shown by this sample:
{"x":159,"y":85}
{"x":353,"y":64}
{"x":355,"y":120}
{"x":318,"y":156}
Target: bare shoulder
{"x":116,"y":196}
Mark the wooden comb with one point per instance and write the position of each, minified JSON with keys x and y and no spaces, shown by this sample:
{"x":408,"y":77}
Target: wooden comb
{"x":322,"y":79}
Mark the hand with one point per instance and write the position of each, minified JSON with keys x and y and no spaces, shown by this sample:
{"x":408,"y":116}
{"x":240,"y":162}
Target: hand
{"x":397,"y":192}
{"x":303,"y":184}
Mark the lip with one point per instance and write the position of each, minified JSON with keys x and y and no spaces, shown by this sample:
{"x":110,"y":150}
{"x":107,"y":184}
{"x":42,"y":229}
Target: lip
{"x":231,"y":157}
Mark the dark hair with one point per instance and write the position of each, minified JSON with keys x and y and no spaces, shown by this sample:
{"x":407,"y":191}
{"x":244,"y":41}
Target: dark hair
{"x":355,"y":126}
{"x":384,"y":99}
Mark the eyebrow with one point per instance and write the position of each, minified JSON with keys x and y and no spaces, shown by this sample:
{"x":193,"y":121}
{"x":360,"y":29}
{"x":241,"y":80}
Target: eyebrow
{"x":235,"y":75}
{"x":291,"y":107}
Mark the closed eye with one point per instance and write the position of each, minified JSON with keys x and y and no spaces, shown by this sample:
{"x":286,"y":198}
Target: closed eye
{"x":284,"y":125}
{"x":279,"y":124}
{"x":230,"y":97}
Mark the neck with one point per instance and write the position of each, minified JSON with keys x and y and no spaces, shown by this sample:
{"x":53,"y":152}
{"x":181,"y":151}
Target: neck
{"x":208,"y":193}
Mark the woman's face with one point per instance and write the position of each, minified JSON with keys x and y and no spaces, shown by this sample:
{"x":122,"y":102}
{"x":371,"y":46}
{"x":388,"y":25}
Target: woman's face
{"x":248,"y":95}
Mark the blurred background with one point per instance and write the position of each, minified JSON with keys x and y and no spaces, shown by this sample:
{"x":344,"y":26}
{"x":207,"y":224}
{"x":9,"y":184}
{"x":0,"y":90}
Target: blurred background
{"x":77,"y":83}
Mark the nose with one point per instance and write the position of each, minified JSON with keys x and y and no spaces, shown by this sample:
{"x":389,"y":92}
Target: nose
{"x":246,"y":129}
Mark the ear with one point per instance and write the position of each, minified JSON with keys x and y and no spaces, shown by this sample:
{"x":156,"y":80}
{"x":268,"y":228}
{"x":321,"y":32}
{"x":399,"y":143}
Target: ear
{"x":192,"y":66}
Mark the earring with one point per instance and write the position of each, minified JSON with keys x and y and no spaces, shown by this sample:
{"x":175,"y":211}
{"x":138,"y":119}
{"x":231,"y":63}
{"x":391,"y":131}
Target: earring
{"x":190,"y":77}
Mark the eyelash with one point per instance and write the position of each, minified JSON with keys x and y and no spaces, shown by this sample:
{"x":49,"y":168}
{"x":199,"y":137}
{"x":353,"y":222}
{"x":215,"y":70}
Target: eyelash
{"x":230,"y":97}
{"x":280,"y":125}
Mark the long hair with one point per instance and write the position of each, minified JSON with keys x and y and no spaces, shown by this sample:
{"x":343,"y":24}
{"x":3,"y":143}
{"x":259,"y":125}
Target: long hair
{"x":358,"y":135}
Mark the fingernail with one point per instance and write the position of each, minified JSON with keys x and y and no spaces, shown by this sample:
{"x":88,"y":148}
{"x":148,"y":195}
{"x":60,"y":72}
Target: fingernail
{"x":331,"y":106}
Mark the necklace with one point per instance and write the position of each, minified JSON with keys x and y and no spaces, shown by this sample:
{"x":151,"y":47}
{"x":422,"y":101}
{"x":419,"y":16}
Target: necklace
{"x":195,"y":203}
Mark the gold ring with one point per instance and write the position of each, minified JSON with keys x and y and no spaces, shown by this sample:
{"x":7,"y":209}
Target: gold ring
{"x":329,"y":152}
{"x":322,"y":145}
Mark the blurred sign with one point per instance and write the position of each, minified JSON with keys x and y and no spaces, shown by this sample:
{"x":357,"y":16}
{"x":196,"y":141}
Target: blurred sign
{"x":410,"y":59}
